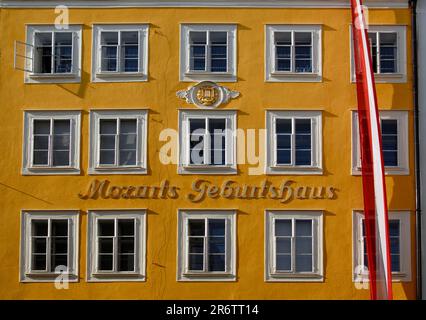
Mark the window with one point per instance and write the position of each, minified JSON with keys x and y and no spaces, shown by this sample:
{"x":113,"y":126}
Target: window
{"x":54,"y":54}
{"x":400,"y":247}
{"x":388,"y":52}
{"x":49,"y":245}
{"x":116,"y":245}
{"x":294,"y":142}
{"x":118,"y":141}
{"x":121,"y":53}
{"x":208,"y":52}
{"x":207,"y":142}
{"x":293,"y":53}
{"x":51,"y":142}
{"x":206,"y":245}
{"x":394,"y":129}
{"x":294,"y":246}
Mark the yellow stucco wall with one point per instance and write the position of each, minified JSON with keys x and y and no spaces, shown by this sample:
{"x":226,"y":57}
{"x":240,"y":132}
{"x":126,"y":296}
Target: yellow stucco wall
{"x":335,"y":96}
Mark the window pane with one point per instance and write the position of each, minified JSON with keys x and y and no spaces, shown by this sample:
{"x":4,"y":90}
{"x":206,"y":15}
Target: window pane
{"x":196,"y":245}
{"x":394,"y":245}
{"x":108,"y":126}
{"x":372,"y":37}
{"x":41,"y":142}
{"x":195,"y":262}
{"x":303,"y":126}
{"x":128,"y":125}
{"x":395,"y":263}
{"x":63,"y":52}
{"x":126,"y":262}
{"x":303,"y":228}
{"x":283,"y":65}
{"x":109,"y":38}
{"x":283,"y":126}
{"x":388,"y":52}
{"x":39,"y":228}
{"x":107,"y":142}
{"x":283,"y":156}
{"x":61,"y":127}
{"x":216,"y":244}
{"x":390,"y":158}
{"x":126,"y":227}
{"x":197,"y":37}
{"x":61,"y":142}
{"x":105,"y":262}
{"x":197,"y":125}
{"x":394,"y":228}
{"x":109,"y":59}
{"x":107,"y":157}
{"x":105,"y":245}
{"x":303,"y":263}
{"x":282,"y":38}
{"x":59,"y":228}
{"x":284,"y":141}
{"x":43,"y":52}
{"x":216,"y":227}
{"x":39,"y":262}
{"x":218,"y":65}
{"x":40,"y":158}
{"x":283,"y":245}
{"x":218,"y":157}
{"x":216,"y":262}
{"x":106,"y":227}
{"x":283,"y":227}
{"x":389,"y":126}
{"x":283,"y":262}
{"x":303,"y":158}
{"x":303,"y":245}
{"x":129,"y":37}
{"x":196,"y":227}
{"x":303,"y":141}
{"x":61,"y":158}
{"x":197,"y":50}
{"x":39,"y":245}
{"x":41,"y":126}
{"x":58,"y":260}
{"x":127,"y":158}
{"x":126,"y":245}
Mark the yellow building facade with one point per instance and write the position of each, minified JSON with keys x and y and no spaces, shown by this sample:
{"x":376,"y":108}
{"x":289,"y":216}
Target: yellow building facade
{"x":249,"y":193}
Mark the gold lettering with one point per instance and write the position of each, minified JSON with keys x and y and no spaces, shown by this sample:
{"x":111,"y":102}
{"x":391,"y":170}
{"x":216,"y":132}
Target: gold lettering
{"x":286,"y":191}
{"x":94,"y":189}
{"x":199,"y":187}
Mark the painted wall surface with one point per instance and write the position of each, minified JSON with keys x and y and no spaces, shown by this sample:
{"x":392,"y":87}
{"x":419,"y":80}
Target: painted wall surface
{"x":421,"y":38}
{"x":335,"y":96}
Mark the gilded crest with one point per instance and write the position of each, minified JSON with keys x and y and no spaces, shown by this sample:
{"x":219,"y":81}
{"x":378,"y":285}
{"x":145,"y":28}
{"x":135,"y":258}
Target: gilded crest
{"x":207,"y":95}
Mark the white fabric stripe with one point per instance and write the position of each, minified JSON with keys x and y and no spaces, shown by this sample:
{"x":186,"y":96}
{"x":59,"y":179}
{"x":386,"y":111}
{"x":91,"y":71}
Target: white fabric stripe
{"x":376,"y":152}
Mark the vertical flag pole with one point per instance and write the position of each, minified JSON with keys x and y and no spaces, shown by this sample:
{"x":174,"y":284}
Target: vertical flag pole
{"x":373,"y":179}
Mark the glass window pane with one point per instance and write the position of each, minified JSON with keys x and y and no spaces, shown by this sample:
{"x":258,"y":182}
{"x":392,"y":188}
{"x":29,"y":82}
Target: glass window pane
{"x":63,"y":52}
{"x":127,"y":158}
{"x":303,"y":126}
{"x":303,"y":228}
{"x":41,"y":142}
{"x":59,"y":228}
{"x":129,"y":37}
{"x":39,"y":228}
{"x":216,"y":262}
{"x":105,"y":245}
{"x":128,"y":125}
{"x":43,"y":52}
{"x":41,"y":126}
{"x":303,"y":263}
{"x":388,"y":38}
{"x":196,"y":262}
{"x":283,"y":126}
{"x":38,"y":262}
{"x":218,"y":37}
{"x":216,"y":244}
{"x":196,"y":245}
{"x":283,"y":141}
{"x":196,"y":227}
{"x":109,"y":38}
{"x":40,"y":157}
{"x":395,"y":263}
{"x":303,"y":245}
{"x":131,"y":65}
{"x":108,"y":126}
{"x":197,"y":125}
{"x":218,"y":52}
{"x":106,"y":227}
{"x":394,"y":245}
{"x":107,"y":142}
{"x":59,"y":245}
{"x":105,"y":262}
{"x":126,"y":262}
{"x":128,"y":141}
{"x":217,"y":157}
{"x":282,"y":38}
{"x":61,"y":142}
{"x":109,"y":59}
{"x":390,"y":158}
{"x":389,"y":126}
{"x":107,"y":157}
{"x":303,"y":158}
{"x":216,"y":227}
{"x":303,"y":141}
{"x":283,"y":227}
{"x":39,"y":245}
{"x":61,"y":126}
{"x":283,"y":65}
{"x":218,"y":65}
{"x":283,"y":262}
{"x":126,"y":245}
{"x":283,"y":156}
{"x":303,"y":38}
{"x":61,"y":158}
{"x":197,"y":37}
{"x":126,"y":227}
{"x":394,"y":228}
{"x":283,"y":245}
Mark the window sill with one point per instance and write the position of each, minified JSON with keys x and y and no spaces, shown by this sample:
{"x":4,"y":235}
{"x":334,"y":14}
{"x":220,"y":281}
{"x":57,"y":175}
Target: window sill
{"x":52,"y":77}
{"x":115,"y":277}
{"x":48,"y":277}
{"x":294,"y":277}
{"x":396,"y":171}
{"x":293,"y":170}
{"x":396,"y":277}
{"x":50,"y":171}
{"x":212,"y":76}
{"x":119,"y":77}
{"x":293,"y":77}
{"x":386,"y":78}
{"x":203,"y":169}
{"x":118,"y":170}
{"x":198,"y":276}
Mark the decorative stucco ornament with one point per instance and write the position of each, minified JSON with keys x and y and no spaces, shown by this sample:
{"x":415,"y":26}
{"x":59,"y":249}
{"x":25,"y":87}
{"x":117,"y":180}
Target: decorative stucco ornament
{"x":207,"y":94}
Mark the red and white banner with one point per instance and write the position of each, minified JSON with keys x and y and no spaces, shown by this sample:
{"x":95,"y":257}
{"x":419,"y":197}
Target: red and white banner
{"x":373,"y":180}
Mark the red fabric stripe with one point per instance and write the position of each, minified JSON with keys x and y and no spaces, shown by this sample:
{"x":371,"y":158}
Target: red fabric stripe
{"x":379,"y":287}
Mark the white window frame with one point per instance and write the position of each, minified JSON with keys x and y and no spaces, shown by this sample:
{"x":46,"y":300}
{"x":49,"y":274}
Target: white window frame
{"x":71,"y":77}
{"x":401,"y":75}
{"x":360,"y":274}
{"x":92,"y":274}
{"x":117,"y":76}
{"x":403,"y":167}
{"x":273,"y":75}
{"x":75,"y":128}
{"x":190,"y":76}
{"x":317,"y":253}
{"x":316,"y":142}
{"x":28,"y":275}
{"x":141,"y":116}
{"x":183,"y":274}
{"x":230,"y":166}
